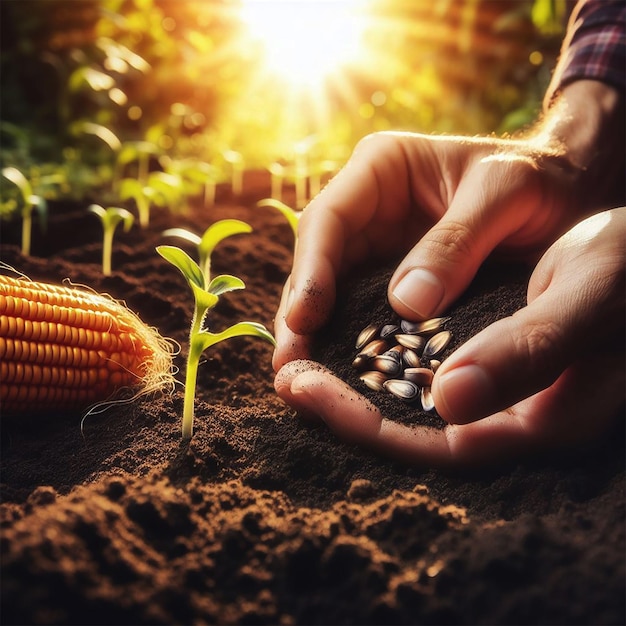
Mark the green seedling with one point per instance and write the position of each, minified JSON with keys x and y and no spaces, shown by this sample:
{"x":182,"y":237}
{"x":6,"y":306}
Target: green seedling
{"x":83,"y":128}
{"x":319,"y":170}
{"x":171,"y":187}
{"x":206,"y":292}
{"x":85,"y":131}
{"x":30,"y":201}
{"x":110,"y":218}
{"x":139,"y":151}
{"x":277,"y":172}
{"x":291,"y":215}
{"x":235,"y":159}
{"x":144,"y":197}
{"x":197,"y":174}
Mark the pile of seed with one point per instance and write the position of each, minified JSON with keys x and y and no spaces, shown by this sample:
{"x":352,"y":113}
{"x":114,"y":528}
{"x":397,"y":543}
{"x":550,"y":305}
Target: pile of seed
{"x":400,"y":358}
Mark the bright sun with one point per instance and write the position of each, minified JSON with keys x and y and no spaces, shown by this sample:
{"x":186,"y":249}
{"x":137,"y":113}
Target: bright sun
{"x":305,"y":41}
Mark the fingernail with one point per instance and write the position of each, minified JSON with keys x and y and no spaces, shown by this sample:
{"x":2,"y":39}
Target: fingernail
{"x":468,"y":394}
{"x":421,"y":291}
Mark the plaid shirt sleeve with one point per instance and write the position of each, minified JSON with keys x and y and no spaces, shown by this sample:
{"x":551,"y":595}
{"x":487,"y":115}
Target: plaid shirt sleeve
{"x":594,"y":46}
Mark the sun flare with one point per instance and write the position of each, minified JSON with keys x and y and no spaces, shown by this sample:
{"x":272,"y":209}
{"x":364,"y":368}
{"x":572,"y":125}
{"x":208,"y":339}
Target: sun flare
{"x":304,"y":42}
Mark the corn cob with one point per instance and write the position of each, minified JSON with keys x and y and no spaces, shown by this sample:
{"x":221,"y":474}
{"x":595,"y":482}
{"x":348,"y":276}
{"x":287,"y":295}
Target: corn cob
{"x":65,"y":349}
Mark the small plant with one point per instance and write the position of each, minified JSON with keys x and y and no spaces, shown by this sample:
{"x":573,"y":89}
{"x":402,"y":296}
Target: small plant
{"x":30,"y":201}
{"x":277,"y":172}
{"x":85,"y":128}
{"x":291,"y":215}
{"x":139,"y":151}
{"x":236,"y":161}
{"x":170,"y":188}
{"x":206,"y":292}
{"x":144,"y":197}
{"x":198,"y":175}
{"x":110,"y":218}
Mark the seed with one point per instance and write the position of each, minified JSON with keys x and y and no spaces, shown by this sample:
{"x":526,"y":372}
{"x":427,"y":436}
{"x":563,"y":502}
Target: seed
{"x":369,"y":333}
{"x":421,"y":376}
{"x":396,"y":351}
{"x":388,"y":364}
{"x":403,"y":389}
{"x":388,"y":330}
{"x":426,"y":397}
{"x":433,"y":325}
{"x":393,"y":358}
{"x":434,"y":365}
{"x":410,"y":358}
{"x":361,"y":362}
{"x":374,"y":380}
{"x":410,"y":328}
{"x":414,"y":342}
{"x":427,"y":326}
{"x":437,"y":343}
{"x":374,"y":348}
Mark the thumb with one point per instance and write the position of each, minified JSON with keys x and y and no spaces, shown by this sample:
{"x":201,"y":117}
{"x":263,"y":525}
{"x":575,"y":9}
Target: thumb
{"x":576,"y":305}
{"x":487,"y":207}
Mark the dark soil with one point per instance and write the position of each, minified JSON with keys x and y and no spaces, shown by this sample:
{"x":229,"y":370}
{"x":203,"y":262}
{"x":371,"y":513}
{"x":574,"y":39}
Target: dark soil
{"x":261,"y":519}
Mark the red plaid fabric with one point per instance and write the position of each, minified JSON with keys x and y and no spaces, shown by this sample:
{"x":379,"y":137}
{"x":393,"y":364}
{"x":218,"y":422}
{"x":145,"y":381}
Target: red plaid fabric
{"x":594,"y":46}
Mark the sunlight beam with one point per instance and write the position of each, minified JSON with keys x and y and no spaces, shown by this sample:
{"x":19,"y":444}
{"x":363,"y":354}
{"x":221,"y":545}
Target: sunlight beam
{"x":303,"y":42}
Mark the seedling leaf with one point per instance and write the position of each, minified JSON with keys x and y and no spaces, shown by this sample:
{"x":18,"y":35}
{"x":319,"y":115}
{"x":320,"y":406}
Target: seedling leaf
{"x":110,"y":218}
{"x":225,"y":283}
{"x":250,"y":329}
{"x":205,"y":300}
{"x":97,"y":130}
{"x":183,"y":233}
{"x":97,"y":80}
{"x":130,"y":188}
{"x":291,"y":215}
{"x":187,"y":266}
{"x":41,"y":205}
{"x":219,"y":231}
{"x":18,"y":179}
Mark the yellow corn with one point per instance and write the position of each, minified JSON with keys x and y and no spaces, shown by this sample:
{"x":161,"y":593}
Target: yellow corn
{"x":64,"y":348}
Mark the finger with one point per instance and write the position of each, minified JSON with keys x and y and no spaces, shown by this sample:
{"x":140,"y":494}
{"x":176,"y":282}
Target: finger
{"x":312,"y":389}
{"x":282,"y":384}
{"x":576,"y":302}
{"x":332,"y":229}
{"x":513,"y":358}
{"x":289,"y":345}
{"x":493,"y":200}
{"x":575,"y":411}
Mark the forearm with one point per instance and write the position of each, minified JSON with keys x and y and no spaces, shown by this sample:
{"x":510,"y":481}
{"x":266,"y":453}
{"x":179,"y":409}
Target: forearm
{"x":584,"y":103}
{"x":586,"y":127}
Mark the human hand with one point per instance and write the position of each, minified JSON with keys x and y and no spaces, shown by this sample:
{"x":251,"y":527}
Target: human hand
{"x":550,"y":376}
{"x":457,"y":198}
{"x":446,"y":203}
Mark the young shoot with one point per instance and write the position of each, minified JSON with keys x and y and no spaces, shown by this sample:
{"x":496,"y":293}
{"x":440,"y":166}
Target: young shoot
{"x":139,"y":151}
{"x":277,"y":172}
{"x":110,"y":218}
{"x":144,"y":197}
{"x":206,"y":292}
{"x":235,"y":159}
{"x":30,"y":201}
{"x":291,"y":215}
{"x":198,"y":176}
{"x":211,"y":237}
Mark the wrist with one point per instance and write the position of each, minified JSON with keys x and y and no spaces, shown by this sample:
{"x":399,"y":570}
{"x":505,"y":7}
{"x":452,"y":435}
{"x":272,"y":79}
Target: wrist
{"x":585,"y":128}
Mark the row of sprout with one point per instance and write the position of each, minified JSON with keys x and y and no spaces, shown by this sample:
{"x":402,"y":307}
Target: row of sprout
{"x":206,"y":288}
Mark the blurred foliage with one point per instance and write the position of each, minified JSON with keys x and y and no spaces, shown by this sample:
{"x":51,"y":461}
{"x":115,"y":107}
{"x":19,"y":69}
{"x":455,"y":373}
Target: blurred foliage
{"x":86,"y":84}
